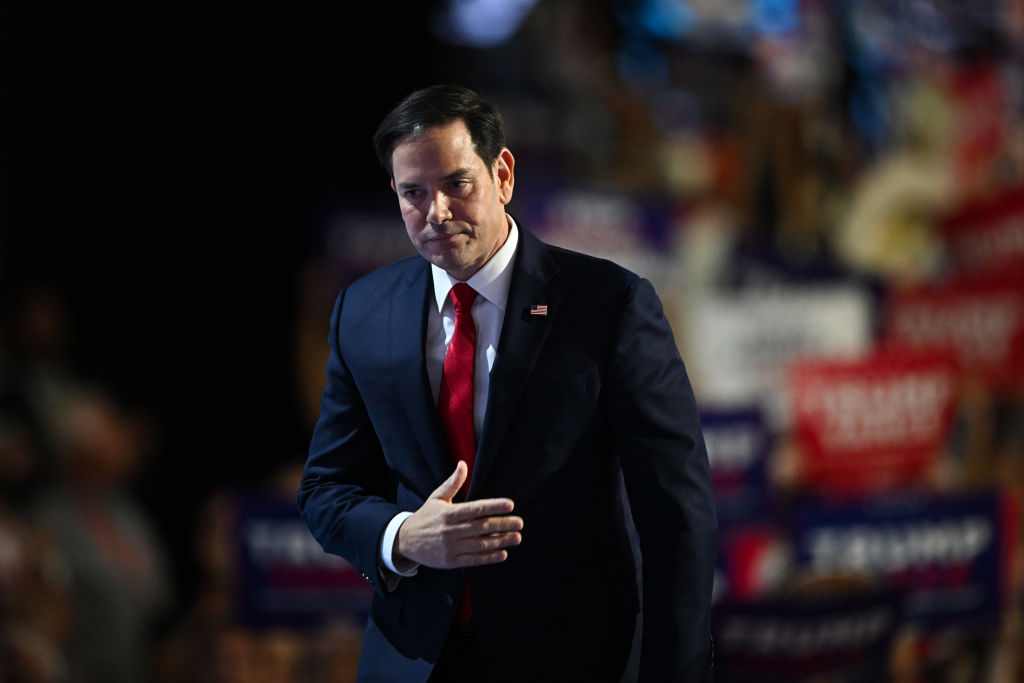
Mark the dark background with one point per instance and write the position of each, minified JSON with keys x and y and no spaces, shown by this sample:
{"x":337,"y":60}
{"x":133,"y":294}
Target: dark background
{"x":168,"y":168}
{"x":180,"y":177}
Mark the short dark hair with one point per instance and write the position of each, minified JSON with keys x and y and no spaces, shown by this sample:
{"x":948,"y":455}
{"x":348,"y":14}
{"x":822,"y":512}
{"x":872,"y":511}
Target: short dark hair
{"x":435,"y":106}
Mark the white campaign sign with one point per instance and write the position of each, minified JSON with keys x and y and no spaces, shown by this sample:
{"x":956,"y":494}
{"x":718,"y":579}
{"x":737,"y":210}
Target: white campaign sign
{"x":739,"y":346}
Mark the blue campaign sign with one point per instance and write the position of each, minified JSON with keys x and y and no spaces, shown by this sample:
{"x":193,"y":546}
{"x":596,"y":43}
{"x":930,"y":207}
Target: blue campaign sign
{"x":947,"y":555}
{"x":284,"y":578}
{"x":738,"y":442}
{"x":841,"y":638}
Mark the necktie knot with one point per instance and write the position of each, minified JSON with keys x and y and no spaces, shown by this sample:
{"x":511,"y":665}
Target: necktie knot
{"x":463,"y":296}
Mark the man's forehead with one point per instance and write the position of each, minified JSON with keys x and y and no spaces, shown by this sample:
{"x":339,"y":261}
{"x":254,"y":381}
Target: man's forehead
{"x":452,"y":134}
{"x":436,"y":154}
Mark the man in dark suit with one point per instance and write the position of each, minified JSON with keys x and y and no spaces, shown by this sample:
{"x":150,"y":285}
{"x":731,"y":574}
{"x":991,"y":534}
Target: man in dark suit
{"x":485,"y":403}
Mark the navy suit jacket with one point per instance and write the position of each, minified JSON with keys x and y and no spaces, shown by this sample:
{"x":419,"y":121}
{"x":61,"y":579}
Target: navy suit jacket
{"x":588,"y":397}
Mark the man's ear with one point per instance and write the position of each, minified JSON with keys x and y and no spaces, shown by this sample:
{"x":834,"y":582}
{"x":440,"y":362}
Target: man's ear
{"x":393,"y":185}
{"x":504,"y":174}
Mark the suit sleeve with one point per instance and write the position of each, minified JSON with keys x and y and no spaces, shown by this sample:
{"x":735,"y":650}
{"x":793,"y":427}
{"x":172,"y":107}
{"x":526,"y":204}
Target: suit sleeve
{"x":656,"y":424}
{"x":343,"y":494}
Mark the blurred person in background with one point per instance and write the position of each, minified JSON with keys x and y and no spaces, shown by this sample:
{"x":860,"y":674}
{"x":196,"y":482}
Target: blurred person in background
{"x":190,"y":651}
{"x":34,"y":592}
{"x":35,"y":614}
{"x":36,"y":368}
{"x":117,"y":574}
{"x":577,"y":382}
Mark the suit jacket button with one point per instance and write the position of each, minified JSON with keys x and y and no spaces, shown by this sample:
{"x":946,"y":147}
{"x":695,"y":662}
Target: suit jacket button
{"x":449,"y":600}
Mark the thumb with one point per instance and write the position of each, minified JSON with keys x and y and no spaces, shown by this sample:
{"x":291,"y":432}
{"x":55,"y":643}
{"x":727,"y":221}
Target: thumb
{"x":450,"y":486}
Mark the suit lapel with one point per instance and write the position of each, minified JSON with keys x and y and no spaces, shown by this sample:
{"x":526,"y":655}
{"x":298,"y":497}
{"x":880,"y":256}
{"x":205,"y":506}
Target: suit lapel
{"x":522,"y":337}
{"x":407,"y":339}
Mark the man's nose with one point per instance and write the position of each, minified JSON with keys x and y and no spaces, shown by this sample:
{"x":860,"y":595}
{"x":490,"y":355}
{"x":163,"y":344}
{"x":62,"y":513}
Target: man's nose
{"x":439,"y":211}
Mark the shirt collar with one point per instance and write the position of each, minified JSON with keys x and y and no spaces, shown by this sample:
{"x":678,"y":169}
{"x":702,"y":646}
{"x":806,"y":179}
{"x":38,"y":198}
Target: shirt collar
{"x":492,"y":281}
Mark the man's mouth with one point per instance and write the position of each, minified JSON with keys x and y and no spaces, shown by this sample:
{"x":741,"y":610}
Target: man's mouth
{"x":444,"y":237}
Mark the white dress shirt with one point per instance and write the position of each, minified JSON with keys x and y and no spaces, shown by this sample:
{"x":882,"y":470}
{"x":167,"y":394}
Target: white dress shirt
{"x":491,"y":282}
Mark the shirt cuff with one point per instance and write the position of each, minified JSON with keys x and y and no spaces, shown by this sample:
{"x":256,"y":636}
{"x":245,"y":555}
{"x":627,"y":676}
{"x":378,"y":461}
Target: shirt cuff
{"x":387,"y":544}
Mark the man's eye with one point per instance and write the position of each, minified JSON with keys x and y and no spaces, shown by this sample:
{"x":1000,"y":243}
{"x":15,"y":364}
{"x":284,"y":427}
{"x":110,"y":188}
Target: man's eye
{"x":412,"y":194}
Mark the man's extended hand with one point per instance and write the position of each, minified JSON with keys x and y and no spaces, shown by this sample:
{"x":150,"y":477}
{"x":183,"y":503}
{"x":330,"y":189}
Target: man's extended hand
{"x":445,"y":535}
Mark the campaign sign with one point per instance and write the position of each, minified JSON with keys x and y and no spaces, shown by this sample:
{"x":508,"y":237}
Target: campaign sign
{"x":947,"y":555}
{"x":284,"y":576}
{"x":627,"y":229}
{"x":983,"y":110}
{"x":737,"y":443}
{"x":753,"y":560}
{"x":874,"y":423}
{"x":988,"y":233}
{"x":740,"y":344}
{"x":978,"y":320}
{"x":842,"y":638}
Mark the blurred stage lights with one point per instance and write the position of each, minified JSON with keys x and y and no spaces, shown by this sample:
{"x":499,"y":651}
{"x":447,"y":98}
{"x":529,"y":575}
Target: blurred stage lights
{"x":480,"y":23}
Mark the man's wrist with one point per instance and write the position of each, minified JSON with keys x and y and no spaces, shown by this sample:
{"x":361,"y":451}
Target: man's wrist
{"x":388,"y":557}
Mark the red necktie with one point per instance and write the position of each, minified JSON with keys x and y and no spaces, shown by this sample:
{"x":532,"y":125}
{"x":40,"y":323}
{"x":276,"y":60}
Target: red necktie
{"x":456,"y":398}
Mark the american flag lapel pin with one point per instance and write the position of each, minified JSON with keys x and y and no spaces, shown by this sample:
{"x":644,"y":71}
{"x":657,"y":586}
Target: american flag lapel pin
{"x":538,"y":309}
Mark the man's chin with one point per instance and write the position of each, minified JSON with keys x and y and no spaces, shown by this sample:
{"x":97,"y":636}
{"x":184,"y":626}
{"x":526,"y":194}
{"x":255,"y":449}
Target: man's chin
{"x":446,"y":257}
{"x":457,"y":268}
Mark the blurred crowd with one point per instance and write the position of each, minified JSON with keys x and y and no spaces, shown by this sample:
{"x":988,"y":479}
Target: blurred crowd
{"x":824,"y":193}
{"x":88,"y":593}
{"x":84,"y":576}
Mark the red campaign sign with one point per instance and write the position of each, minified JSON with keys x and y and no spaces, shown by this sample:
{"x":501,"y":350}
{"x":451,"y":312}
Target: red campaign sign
{"x":983,"y":110}
{"x":980,"y":321}
{"x":988,"y":233}
{"x":752,"y":560}
{"x":875,"y":423}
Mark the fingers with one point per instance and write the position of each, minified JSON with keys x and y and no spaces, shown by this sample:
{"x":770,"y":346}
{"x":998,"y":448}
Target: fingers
{"x":485,"y":526}
{"x":476,"y":560}
{"x":479,"y":509}
{"x":486,"y":549}
{"x":472,"y":509}
{"x":450,"y":486}
{"x":446,"y":535}
{"x":485,"y":544}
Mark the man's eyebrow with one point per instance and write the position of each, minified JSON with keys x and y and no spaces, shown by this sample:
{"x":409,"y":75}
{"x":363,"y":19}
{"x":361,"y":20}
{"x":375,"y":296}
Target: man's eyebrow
{"x":458,"y":173}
